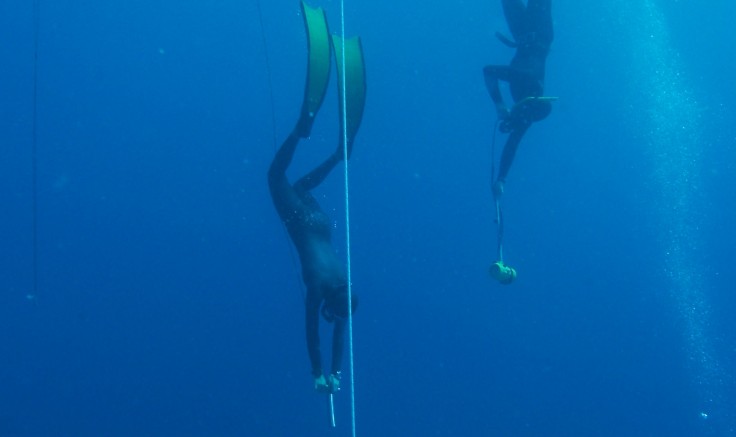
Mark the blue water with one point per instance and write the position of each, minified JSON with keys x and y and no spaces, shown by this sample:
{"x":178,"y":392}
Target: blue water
{"x":168,"y":300}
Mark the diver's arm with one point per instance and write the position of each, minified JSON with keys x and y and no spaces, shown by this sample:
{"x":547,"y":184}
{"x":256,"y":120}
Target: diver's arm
{"x":338,"y":343}
{"x":312,"y":329}
{"x":509,"y":151}
{"x":316,"y":176}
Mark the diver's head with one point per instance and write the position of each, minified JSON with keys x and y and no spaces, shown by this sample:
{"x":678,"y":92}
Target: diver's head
{"x":336,"y":306}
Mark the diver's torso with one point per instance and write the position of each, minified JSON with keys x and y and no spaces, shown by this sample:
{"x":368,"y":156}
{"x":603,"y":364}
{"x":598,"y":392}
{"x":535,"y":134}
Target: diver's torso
{"x":529,"y":72}
{"x":322,"y":270}
{"x":310,"y":230}
{"x":530,"y":61}
{"x":307,"y":223}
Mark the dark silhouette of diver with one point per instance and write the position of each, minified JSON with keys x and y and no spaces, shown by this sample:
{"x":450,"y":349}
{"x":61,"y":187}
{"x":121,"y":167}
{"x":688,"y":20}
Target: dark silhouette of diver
{"x":531,"y":29}
{"x":323,"y":273}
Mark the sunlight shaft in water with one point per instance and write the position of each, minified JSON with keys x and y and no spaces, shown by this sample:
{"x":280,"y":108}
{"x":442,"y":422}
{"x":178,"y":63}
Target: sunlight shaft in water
{"x":672,"y":127}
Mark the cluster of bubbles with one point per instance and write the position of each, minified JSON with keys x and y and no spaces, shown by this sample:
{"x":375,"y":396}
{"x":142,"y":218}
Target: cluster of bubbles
{"x":671,"y":124}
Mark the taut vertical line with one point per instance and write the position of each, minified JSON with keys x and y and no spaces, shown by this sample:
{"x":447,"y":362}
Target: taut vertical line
{"x":344,"y":116}
{"x":34,"y":147}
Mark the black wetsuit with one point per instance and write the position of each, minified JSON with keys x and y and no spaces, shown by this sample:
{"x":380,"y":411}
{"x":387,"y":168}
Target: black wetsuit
{"x":531,"y":28}
{"x":309,"y":228}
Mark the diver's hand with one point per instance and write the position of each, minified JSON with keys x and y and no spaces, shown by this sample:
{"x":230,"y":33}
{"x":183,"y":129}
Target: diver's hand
{"x":328,"y":385}
{"x":334,"y":382}
{"x":320,"y":384}
{"x":497,"y":189}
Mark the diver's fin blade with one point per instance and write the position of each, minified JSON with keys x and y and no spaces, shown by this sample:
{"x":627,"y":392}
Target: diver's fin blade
{"x":354,"y":88}
{"x":537,"y":99}
{"x":318,"y":69}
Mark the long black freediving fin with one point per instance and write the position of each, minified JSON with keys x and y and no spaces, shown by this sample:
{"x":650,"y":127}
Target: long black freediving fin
{"x":352,"y":92}
{"x":318,"y":68}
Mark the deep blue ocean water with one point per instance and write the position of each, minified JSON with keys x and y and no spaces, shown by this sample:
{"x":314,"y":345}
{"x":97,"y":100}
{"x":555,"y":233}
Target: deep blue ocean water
{"x":169,"y":302}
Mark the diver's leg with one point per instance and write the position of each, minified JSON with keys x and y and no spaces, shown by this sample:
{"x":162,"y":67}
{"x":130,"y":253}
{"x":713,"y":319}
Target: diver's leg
{"x":282,"y":193}
{"x":515,"y":13}
{"x":283,"y":158}
{"x":316,"y":176}
{"x":540,"y":21}
{"x":509,"y":151}
{"x":492,"y":74}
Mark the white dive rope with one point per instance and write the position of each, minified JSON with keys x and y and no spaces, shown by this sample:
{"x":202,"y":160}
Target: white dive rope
{"x":344,"y":116}
{"x":34,"y":150}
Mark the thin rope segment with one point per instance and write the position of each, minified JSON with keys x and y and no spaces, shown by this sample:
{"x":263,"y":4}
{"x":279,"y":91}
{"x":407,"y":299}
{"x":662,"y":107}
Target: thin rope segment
{"x":493,"y":153}
{"x":499,"y":213}
{"x":34,"y":147}
{"x":344,"y":116}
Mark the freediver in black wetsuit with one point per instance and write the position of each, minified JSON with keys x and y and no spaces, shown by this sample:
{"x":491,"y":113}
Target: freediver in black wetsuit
{"x":324,"y":274}
{"x":531,"y":28}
